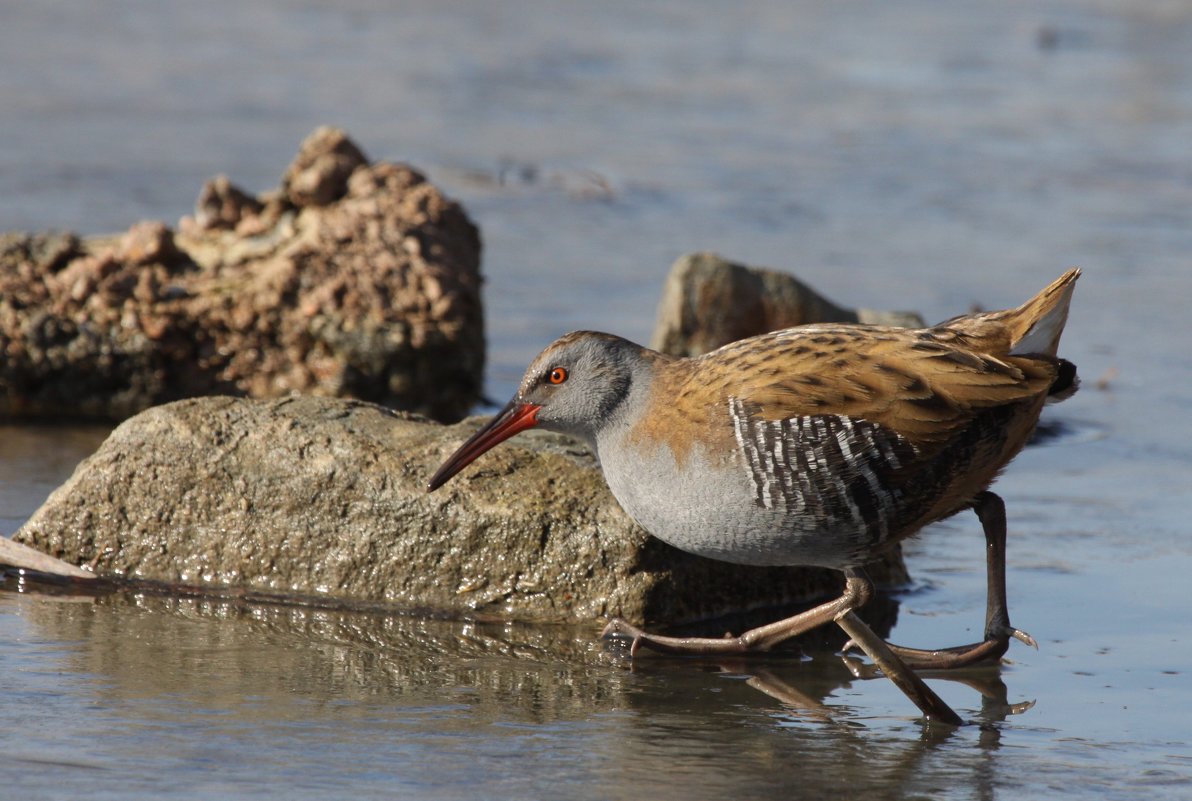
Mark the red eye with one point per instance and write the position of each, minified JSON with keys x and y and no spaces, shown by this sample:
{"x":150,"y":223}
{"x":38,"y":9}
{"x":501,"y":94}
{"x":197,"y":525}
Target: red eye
{"x":557,"y":375}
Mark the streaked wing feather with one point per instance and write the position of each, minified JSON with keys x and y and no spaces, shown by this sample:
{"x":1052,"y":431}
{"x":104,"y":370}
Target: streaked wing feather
{"x":923,"y":386}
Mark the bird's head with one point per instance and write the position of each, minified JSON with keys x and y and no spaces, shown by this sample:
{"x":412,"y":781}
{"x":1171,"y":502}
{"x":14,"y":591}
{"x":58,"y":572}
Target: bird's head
{"x":574,"y":386}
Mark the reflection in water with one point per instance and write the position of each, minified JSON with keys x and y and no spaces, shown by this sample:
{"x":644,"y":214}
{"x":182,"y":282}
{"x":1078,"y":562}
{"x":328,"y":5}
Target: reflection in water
{"x":844,"y":751}
{"x":439,"y":705}
{"x":985,"y":679}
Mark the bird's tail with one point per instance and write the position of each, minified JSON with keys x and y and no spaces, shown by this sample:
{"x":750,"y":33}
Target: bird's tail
{"x":1035,"y":326}
{"x":1035,"y":329}
{"x":1027,"y":334}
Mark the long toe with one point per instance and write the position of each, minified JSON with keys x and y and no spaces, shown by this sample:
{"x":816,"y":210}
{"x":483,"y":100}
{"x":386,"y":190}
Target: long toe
{"x":618,"y":629}
{"x":1023,"y":638}
{"x":958,"y":656}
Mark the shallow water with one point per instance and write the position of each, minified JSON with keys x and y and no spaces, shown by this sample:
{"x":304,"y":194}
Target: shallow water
{"x":893,"y":155}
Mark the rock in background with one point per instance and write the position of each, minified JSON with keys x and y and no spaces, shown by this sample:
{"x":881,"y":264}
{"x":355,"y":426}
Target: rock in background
{"x":708,"y":302}
{"x":351,"y":280}
{"x":326,"y":499}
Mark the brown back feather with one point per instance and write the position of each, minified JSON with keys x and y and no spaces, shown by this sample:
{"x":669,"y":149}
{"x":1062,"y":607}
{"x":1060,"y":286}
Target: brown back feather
{"x":927,"y":385}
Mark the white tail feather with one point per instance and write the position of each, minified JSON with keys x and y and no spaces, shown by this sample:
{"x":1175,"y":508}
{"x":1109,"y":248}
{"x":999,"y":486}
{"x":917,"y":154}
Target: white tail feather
{"x":1044,"y":334}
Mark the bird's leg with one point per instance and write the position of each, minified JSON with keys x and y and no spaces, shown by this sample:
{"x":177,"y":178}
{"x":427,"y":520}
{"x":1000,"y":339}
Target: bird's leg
{"x":857,"y":592}
{"x":992,"y":512}
{"x":760,"y":639}
{"x":930,"y":704}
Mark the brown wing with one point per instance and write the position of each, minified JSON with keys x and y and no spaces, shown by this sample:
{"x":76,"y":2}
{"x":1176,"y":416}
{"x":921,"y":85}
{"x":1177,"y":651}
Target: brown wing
{"x":922,"y":384}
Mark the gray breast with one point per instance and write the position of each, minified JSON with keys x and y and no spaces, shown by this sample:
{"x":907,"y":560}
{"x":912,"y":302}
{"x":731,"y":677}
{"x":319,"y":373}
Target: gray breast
{"x":811,"y":490}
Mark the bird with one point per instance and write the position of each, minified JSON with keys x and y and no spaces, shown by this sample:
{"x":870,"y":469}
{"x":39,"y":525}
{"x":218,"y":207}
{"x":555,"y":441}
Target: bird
{"x":819,"y":445}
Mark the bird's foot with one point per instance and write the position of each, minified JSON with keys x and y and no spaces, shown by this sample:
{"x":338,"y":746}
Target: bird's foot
{"x":992,"y":648}
{"x":618,"y":629}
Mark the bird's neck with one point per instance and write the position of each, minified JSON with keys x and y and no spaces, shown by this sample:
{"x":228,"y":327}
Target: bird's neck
{"x":613,"y":429}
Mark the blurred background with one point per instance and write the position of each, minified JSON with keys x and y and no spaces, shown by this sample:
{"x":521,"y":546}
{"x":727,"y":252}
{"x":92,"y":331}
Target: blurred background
{"x":914,"y":156}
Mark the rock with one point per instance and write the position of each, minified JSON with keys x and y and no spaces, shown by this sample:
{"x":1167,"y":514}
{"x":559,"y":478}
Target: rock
{"x":325,"y":499}
{"x":352,"y":280}
{"x":319,"y":175}
{"x":708,"y":302}
{"x":223,"y":205}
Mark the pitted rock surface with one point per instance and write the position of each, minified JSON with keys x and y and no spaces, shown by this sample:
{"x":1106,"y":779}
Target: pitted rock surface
{"x":352,"y":280}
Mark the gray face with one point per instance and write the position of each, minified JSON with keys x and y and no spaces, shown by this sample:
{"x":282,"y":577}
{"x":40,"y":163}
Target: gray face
{"x":579,"y":381}
{"x":577,"y":386}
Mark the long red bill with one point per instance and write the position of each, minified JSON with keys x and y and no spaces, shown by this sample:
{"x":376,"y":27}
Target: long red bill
{"x":515,"y":417}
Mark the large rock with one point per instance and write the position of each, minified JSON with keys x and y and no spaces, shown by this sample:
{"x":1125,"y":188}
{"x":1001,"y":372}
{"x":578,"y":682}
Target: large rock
{"x":310,"y":497}
{"x":708,"y":302}
{"x":353,"y":280}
